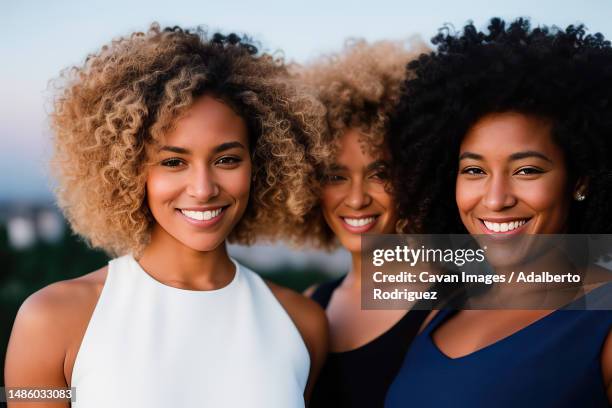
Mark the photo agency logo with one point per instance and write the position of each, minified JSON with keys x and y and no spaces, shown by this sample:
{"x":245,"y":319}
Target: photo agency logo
{"x":533,"y":272}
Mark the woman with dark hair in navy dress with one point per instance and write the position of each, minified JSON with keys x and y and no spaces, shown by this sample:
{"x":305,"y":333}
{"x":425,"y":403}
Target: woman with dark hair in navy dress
{"x":509,"y":132}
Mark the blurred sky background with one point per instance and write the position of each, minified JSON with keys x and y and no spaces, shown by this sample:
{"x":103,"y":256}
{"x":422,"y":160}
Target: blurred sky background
{"x":40,"y":38}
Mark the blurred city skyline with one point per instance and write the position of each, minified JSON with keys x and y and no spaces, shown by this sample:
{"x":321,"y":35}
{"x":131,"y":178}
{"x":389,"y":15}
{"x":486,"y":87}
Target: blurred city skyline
{"x":39,"y":39}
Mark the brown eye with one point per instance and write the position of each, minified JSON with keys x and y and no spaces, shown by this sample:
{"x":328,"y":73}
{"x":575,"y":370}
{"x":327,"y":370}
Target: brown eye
{"x":174,"y":162}
{"x":228,"y":160}
{"x":528,"y":171}
{"x":381,"y":175}
{"x":333,"y":179}
{"x":472,"y":171}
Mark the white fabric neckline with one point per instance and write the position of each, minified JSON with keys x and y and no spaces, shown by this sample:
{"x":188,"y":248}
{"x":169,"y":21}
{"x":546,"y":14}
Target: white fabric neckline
{"x":193,"y":292}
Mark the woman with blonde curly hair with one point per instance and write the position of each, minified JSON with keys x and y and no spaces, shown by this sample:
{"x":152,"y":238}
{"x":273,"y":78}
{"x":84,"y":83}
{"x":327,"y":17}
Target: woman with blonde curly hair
{"x":359,"y":87}
{"x":167,"y":143}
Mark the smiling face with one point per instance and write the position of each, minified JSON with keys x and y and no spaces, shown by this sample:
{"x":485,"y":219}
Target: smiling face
{"x":512,"y":178}
{"x":199,"y":178}
{"x":355,"y":199}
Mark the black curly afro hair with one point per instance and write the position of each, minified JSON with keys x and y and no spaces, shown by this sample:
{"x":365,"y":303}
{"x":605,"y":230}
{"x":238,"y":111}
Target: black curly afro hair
{"x":563,"y":76}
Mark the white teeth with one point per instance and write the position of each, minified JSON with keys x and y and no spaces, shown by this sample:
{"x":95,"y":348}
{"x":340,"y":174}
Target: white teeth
{"x":359,"y":222}
{"x":202,"y":215}
{"x":504,"y":226}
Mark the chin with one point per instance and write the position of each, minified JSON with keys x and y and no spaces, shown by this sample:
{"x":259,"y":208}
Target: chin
{"x":202,"y":243}
{"x":352,"y":244}
{"x":204,"y":246}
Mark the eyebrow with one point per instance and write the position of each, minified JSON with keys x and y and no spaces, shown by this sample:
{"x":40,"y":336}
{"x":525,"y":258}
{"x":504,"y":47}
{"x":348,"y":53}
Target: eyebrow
{"x":229,"y":145}
{"x":513,"y":156}
{"x":174,"y":149}
{"x":336,"y":167}
{"x":529,"y":153}
{"x":221,"y":148}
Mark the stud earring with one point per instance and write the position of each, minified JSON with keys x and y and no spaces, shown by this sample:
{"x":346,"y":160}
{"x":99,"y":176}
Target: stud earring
{"x":578,"y":196}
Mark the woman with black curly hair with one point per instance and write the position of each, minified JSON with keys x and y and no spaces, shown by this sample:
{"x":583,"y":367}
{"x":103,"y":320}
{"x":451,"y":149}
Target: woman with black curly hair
{"x":502,"y":133}
{"x":167,"y":143}
{"x":359,"y":87}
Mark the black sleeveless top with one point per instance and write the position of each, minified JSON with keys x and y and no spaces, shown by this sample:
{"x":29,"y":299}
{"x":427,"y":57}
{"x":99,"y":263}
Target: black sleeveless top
{"x":361,"y":377}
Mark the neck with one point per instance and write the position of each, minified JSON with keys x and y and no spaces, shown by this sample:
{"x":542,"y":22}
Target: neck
{"x":353,"y":279}
{"x":175,"y":264}
{"x":543,"y":295}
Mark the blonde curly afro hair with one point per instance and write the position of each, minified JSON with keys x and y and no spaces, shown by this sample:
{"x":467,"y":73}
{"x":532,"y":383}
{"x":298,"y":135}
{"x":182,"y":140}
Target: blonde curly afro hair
{"x":359,"y":87}
{"x":125,"y":97}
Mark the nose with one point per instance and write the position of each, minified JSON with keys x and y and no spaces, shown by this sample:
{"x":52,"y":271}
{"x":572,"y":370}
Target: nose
{"x":202,"y":185}
{"x":357,"y":196}
{"x":498,"y":194}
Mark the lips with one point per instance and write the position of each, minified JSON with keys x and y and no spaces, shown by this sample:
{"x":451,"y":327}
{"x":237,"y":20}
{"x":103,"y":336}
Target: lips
{"x":504,"y":227}
{"x":359,"y":225}
{"x":359,"y":222}
{"x":202,"y":217}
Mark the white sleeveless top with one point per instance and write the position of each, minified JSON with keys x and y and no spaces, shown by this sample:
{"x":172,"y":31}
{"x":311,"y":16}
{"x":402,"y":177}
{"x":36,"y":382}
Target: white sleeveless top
{"x":150,"y":345}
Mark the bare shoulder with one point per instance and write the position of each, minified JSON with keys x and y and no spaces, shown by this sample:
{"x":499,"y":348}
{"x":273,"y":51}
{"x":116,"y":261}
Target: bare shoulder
{"x":311,"y":322}
{"x":606,"y":365}
{"x":595,"y":276}
{"x":307,"y":315}
{"x":48,"y":327}
{"x":61,"y":297}
{"x":310,"y":290}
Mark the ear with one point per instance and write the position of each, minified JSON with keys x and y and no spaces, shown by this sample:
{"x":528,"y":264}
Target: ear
{"x":401,"y":226}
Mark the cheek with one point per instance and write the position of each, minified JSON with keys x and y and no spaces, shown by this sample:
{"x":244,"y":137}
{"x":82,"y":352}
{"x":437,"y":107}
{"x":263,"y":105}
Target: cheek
{"x":467,"y":195}
{"x":162,"y":187}
{"x":237,"y":183}
{"x":387,"y":203}
{"x":382,"y":196}
{"x":330,"y":198}
{"x":546,"y":196}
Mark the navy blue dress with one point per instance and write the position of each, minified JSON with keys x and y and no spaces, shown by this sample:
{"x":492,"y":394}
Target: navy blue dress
{"x":553,"y":362}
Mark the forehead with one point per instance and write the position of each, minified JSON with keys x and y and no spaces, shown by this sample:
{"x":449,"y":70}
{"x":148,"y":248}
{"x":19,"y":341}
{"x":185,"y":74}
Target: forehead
{"x":209,"y":121}
{"x":354,"y":150}
{"x":506,"y":133}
